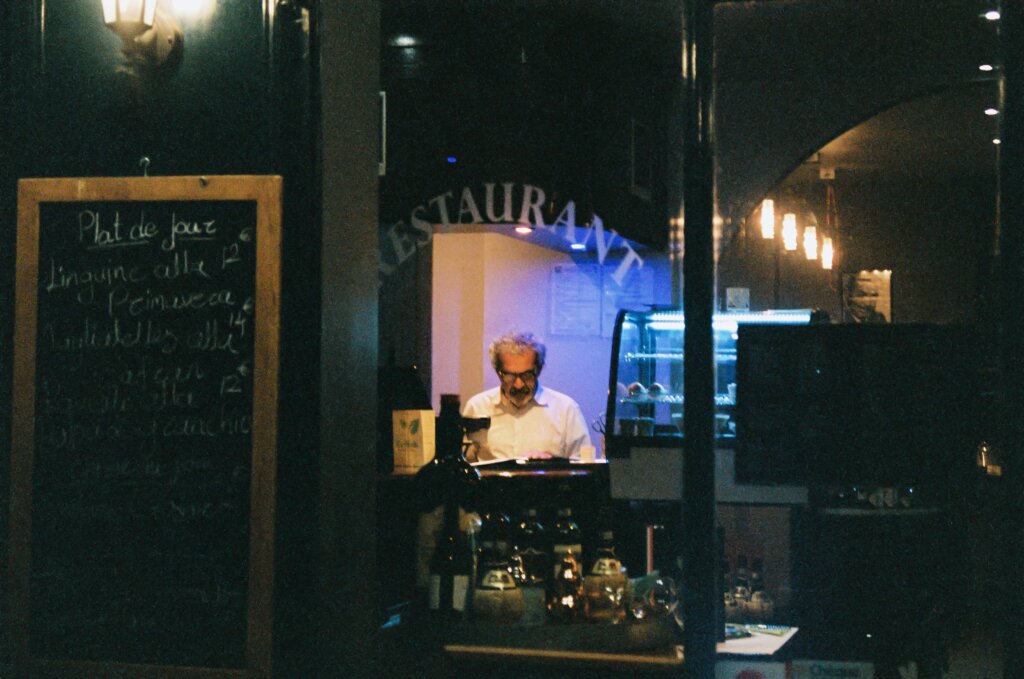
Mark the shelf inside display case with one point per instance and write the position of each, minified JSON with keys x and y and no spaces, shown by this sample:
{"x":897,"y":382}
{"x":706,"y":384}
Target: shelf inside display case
{"x":646,"y":397}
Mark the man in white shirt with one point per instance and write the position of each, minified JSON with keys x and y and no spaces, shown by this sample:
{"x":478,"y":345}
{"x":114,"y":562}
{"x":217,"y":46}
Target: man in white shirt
{"x":527,"y":420}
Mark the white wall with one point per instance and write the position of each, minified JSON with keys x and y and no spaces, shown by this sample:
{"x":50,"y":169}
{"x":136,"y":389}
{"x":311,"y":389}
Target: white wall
{"x":457,"y":327}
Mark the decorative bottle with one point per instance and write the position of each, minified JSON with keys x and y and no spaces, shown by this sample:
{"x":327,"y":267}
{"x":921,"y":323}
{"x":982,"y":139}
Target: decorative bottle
{"x":606,"y":585}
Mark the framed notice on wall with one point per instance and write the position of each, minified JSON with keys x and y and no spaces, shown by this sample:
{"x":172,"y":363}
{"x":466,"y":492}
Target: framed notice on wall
{"x":144,"y":427}
{"x":867,"y":297}
{"x":575,"y":303}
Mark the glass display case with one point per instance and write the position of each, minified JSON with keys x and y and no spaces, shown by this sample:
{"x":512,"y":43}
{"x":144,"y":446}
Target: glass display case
{"x":645,"y":388}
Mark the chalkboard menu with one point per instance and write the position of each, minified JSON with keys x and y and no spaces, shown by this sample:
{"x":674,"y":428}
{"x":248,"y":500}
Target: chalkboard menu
{"x":145,"y":429}
{"x":852,"y":404}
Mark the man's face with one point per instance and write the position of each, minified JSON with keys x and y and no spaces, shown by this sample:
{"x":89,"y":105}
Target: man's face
{"x":518,"y":375}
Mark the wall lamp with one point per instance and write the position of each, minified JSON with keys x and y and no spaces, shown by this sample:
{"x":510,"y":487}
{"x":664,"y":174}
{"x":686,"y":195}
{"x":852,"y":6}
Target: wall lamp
{"x":153,"y":41}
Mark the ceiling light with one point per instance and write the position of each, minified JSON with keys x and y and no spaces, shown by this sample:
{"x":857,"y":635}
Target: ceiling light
{"x":524,"y":229}
{"x":789,"y":231}
{"x":991,"y":15}
{"x":826,"y":253}
{"x":578,"y":246}
{"x":985,"y":67}
{"x":991,"y":111}
{"x":768,"y":218}
{"x":997,"y":141}
{"x":811,"y":242}
{"x":405,"y":40}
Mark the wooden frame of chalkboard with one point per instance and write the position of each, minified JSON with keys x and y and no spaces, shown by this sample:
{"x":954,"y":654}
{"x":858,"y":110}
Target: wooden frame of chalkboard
{"x":144,"y":437}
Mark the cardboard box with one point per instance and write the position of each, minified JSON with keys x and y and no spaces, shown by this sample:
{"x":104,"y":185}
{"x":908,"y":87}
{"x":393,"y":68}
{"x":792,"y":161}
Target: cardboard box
{"x":412,"y":438}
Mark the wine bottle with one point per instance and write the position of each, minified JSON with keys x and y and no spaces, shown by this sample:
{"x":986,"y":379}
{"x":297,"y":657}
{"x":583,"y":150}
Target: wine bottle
{"x":757,"y":576}
{"x":741,"y":579}
{"x":446,"y":484}
{"x":496,"y":533}
{"x":606,"y":585}
{"x":451,"y":572}
{"x":565,"y":591}
{"x":566,"y":539}
{"x":531,"y":543}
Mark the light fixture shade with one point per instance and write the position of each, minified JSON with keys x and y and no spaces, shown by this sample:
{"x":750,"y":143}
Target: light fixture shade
{"x":826,"y":253}
{"x":129,"y":16}
{"x":768,"y":219}
{"x":811,"y":242}
{"x":789,"y":231}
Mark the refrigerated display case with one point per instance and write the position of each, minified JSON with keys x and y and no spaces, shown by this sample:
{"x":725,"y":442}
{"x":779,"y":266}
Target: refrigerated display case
{"x":645,"y":387}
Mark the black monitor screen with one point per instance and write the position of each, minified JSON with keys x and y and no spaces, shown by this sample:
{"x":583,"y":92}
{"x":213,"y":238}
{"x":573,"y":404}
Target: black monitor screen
{"x":854,"y":404}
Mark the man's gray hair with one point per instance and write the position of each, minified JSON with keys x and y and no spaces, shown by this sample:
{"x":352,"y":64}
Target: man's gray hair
{"x":513,"y":342}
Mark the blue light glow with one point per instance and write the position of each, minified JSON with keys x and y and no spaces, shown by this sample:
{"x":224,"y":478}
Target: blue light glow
{"x":729,"y":321}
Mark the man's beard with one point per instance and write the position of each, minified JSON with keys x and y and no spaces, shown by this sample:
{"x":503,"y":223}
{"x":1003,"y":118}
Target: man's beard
{"x":517,"y":394}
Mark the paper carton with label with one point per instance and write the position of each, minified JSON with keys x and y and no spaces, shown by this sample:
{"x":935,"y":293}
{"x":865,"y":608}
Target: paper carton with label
{"x":412,"y":438}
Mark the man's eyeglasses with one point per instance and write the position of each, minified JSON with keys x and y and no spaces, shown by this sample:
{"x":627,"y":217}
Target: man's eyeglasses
{"x":526,"y":376}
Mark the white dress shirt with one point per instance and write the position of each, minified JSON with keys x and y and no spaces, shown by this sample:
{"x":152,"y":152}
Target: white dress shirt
{"x":551,"y":423}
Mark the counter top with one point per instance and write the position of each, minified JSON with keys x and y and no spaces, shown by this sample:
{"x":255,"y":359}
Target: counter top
{"x":557,"y":468}
{"x":668,"y":657}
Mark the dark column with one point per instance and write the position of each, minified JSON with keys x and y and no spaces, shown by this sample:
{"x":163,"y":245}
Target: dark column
{"x":1011,"y":276}
{"x":348,"y":39}
{"x":700,"y":570}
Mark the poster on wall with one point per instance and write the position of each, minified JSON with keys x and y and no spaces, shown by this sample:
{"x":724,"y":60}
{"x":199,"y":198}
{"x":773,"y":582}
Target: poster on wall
{"x":575,"y":307}
{"x":867,"y":296}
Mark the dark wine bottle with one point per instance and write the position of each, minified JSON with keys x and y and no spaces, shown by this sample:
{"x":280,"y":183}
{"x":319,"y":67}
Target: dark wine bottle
{"x":496,"y":534}
{"x":757,"y":576}
{"x":451,"y":572}
{"x":741,"y":579}
{"x":532,"y":545}
{"x":447,"y":485}
{"x":566,"y":539}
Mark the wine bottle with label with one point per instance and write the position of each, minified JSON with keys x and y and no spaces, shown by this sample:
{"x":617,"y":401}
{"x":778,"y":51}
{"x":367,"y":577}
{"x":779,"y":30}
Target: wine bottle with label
{"x":451,"y":572}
